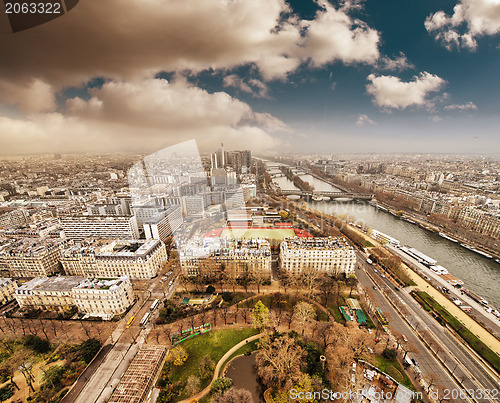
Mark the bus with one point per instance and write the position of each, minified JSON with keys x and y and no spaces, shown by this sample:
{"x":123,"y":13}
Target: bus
{"x":145,"y":319}
{"x":154,"y":305}
{"x":381,"y":317}
{"x":129,"y":322}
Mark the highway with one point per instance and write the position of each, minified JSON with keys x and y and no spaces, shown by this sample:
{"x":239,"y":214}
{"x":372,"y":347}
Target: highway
{"x":459,"y":360}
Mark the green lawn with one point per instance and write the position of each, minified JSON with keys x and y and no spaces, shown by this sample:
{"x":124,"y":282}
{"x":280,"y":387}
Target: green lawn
{"x":392,"y":368}
{"x":271,"y":233}
{"x":215,"y":344}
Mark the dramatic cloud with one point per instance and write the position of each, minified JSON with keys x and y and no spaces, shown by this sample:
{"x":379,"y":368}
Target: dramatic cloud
{"x":126,"y":43}
{"x":469,"y":106}
{"x":364,"y":120}
{"x":391,"y":92}
{"x":470,"y":19}
{"x":123,"y":40}
{"x":142,"y":114}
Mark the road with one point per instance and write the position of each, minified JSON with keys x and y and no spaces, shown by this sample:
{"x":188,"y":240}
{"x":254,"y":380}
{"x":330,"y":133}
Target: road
{"x":125,"y":342}
{"x":458,"y":359}
{"x":478,"y":313}
{"x":428,"y":364}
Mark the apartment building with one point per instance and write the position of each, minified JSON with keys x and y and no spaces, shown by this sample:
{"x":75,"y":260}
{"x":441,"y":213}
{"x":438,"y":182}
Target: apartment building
{"x":7,"y":289}
{"x":30,"y":257}
{"x":329,"y":255}
{"x":103,"y":297}
{"x":81,"y":226}
{"x":165,"y":225}
{"x":137,"y":259}
{"x":47,"y":293}
{"x":12,"y":218}
{"x":238,"y":256}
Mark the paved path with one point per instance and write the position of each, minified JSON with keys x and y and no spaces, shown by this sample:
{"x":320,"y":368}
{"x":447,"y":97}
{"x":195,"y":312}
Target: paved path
{"x":219,"y":365}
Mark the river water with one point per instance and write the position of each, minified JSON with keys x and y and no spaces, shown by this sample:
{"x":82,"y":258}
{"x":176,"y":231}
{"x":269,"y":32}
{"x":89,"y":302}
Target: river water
{"x":480,"y":274}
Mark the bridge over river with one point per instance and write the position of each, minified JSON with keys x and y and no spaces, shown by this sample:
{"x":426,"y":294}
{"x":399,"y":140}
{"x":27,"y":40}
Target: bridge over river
{"x":331,"y":195}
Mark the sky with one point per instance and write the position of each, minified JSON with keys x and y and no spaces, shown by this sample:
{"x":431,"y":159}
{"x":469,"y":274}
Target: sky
{"x":372,"y":76}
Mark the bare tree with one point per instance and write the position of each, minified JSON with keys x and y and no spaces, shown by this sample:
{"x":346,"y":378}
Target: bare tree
{"x":233,"y":396}
{"x":192,"y":321}
{"x":245,"y":314}
{"x":42,"y":327}
{"x":203,"y":315}
{"x":85,"y":329}
{"x":53,"y":323}
{"x":280,"y":361}
{"x":303,"y":311}
{"x":225,"y":311}
{"x":215,"y":313}
{"x":289,"y":316}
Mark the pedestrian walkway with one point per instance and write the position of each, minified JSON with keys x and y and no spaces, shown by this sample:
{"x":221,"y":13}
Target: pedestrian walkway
{"x":219,"y":365}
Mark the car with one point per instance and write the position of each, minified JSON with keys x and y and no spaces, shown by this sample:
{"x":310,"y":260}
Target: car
{"x":414,"y":362}
{"x":397,"y":288}
{"x":382,"y":275}
{"x":374,"y":287}
{"x":369,"y":261}
{"x":375,"y":270}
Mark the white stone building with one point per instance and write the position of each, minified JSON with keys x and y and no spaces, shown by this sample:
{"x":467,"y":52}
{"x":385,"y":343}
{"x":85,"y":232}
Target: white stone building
{"x":328,"y":255}
{"x":137,"y":259}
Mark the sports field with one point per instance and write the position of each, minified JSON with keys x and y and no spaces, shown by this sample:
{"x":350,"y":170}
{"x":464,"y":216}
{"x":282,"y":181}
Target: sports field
{"x":270,"y":233}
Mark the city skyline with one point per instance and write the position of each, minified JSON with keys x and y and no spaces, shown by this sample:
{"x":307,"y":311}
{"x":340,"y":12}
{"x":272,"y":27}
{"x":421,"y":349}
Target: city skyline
{"x":318,"y":76}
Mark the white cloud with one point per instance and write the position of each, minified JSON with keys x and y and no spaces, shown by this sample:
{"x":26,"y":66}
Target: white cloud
{"x":391,"y":92}
{"x":333,"y":35}
{"x":399,"y":63}
{"x":364,"y":120}
{"x":254,"y":86}
{"x":469,"y":106}
{"x":471,"y":19}
{"x":36,"y":96}
{"x":142,"y":114}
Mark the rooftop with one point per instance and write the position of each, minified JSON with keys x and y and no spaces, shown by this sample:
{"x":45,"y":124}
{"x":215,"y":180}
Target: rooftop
{"x":59,"y":283}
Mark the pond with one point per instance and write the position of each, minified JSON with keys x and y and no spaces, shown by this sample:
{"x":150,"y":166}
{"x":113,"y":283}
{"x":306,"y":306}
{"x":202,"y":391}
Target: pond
{"x":242,"y":370}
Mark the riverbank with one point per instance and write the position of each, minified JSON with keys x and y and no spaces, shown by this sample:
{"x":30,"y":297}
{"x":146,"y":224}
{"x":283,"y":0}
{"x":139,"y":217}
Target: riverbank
{"x":423,"y":223}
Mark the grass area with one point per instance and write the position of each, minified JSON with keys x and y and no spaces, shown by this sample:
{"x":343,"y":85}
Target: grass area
{"x":320,"y":315}
{"x":482,"y":349}
{"x":333,"y":307}
{"x":215,"y":344}
{"x":239,"y":296}
{"x":392,"y":367}
{"x":287,"y":301}
{"x":271,"y":233}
